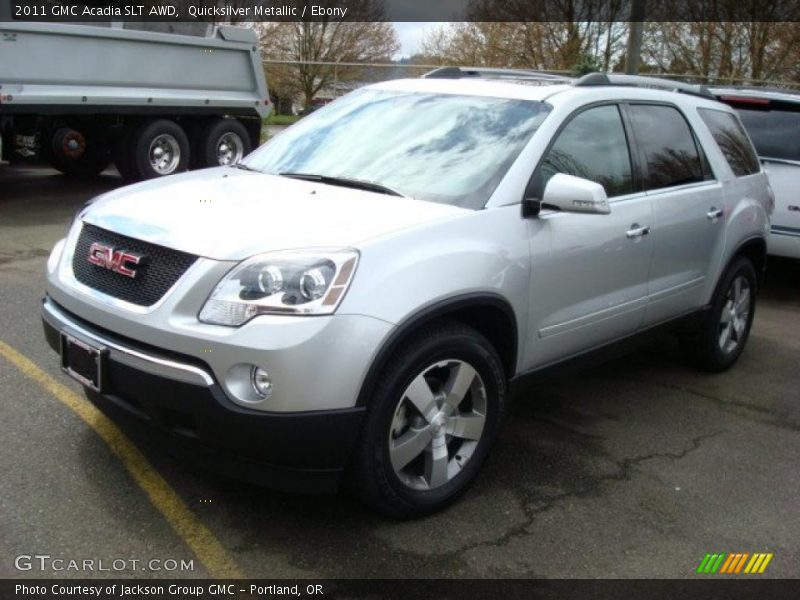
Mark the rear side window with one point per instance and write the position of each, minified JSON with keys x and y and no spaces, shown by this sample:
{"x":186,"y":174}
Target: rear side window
{"x":593,"y":146}
{"x":732,"y":141}
{"x":775,"y":133}
{"x":668,"y":146}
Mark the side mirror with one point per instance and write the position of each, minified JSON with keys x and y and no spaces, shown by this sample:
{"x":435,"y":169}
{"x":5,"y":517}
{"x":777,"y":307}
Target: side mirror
{"x":570,"y":194}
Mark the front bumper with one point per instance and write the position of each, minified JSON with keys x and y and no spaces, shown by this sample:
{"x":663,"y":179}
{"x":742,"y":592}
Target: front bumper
{"x":175,"y":402}
{"x":315,"y":362}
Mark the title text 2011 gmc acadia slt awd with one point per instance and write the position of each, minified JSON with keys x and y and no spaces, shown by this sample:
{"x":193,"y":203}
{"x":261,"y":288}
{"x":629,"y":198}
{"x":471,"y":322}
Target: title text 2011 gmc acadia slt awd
{"x":355,"y":297}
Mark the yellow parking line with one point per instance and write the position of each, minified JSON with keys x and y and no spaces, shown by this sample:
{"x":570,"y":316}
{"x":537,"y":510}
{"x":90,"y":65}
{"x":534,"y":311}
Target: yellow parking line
{"x":166,"y":500}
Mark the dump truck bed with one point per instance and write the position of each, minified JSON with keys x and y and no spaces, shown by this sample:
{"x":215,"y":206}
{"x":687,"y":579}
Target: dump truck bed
{"x":50,"y":68}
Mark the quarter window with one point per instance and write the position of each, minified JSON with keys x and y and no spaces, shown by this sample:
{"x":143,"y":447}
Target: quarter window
{"x":668,"y":147}
{"x":593,"y":146}
{"x":775,"y":133}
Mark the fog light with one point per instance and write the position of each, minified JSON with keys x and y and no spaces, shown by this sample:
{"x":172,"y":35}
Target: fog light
{"x":262,"y":382}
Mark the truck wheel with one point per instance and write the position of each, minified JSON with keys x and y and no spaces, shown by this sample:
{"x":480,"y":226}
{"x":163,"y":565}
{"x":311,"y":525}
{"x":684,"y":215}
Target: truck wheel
{"x":431,"y":423}
{"x":78,"y":155}
{"x":222,"y":142}
{"x":724,"y":332}
{"x":159,"y":148}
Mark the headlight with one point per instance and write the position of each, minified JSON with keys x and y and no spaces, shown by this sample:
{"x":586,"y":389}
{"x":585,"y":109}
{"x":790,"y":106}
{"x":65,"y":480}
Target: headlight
{"x":297,"y":282}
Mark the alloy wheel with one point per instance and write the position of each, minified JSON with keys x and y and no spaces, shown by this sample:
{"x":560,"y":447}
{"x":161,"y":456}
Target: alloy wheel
{"x":735,"y":315}
{"x":437,"y":424}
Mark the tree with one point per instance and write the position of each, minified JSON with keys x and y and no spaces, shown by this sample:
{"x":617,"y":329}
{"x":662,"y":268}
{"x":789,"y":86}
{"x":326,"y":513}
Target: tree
{"x":724,"y":51}
{"x":533,"y":34}
{"x":712,"y":40}
{"x":365,"y":38}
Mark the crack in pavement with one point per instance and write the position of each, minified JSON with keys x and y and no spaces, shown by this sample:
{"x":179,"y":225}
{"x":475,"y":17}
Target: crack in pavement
{"x":534,"y":506}
{"x":775,"y":419}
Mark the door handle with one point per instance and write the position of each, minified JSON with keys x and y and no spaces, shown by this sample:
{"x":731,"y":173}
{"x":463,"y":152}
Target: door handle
{"x":714,"y":213}
{"x":637,"y":231}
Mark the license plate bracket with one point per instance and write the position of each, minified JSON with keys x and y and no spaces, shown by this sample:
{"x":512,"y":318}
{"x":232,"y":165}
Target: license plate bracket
{"x":83,"y":361}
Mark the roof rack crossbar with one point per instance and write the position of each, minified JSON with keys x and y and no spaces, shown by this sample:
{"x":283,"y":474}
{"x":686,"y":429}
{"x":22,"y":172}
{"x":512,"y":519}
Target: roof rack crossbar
{"x":597,"y":79}
{"x":488,"y":73}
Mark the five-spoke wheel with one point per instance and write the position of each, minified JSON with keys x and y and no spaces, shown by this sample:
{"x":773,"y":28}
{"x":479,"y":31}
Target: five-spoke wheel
{"x":721,"y":337}
{"x":431,"y":421}
{"x":735,"y":315}
{"x":437,"y":424}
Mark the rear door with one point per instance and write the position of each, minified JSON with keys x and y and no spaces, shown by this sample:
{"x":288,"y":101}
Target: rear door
{"x":688,"y":210}
{"x":589,"y":278}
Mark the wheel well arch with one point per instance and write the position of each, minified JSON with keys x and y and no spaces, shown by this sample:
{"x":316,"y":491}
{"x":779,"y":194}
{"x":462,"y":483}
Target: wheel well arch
{"x":754,"y":249}
{"x":490,"y":314}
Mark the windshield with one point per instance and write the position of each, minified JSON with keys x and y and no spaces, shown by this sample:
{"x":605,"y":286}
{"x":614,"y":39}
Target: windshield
{"x":443,"y":148}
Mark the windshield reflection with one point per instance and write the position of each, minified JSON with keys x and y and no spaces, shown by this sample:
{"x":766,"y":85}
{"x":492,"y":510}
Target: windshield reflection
{"x":452,"y":149}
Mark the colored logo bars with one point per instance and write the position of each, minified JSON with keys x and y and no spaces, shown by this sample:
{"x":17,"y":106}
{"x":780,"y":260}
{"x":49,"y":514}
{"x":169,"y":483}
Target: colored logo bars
{"x":734,"y":563}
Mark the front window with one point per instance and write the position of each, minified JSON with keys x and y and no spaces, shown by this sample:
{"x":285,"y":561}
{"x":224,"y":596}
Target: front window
{"x":452,"y":149}
{"x":592,"y":146}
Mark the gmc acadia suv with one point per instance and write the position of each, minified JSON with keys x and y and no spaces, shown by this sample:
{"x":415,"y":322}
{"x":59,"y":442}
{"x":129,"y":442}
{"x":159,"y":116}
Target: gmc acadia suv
{"x":356,"y":296}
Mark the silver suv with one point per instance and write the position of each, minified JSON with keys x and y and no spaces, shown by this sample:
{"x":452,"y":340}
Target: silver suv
{"x":356,"y":297}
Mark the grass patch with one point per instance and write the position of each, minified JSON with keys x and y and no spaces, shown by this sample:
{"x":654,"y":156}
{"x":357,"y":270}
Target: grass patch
{"x":281,"y":119}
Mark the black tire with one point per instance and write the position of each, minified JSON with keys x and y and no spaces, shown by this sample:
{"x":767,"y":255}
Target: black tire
{"x":706,"y":346}
{"x":90,"y":157}
{"x":211,"y":135}
{"x":373,"y":478}
{"x":159,"y":130}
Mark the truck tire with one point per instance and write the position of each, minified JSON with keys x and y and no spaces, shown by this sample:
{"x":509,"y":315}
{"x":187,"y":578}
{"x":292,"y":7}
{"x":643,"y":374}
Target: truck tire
{"x":78,"y":154}
{"x":158,"y":148}
{"x":222,"y":142}
{"x":431,"y":422}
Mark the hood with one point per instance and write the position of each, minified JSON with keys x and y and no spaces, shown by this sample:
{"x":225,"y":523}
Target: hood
{"x":230,"y":214}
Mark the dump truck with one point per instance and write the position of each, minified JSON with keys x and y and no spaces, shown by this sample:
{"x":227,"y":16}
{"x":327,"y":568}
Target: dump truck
{"x":153,"y":98}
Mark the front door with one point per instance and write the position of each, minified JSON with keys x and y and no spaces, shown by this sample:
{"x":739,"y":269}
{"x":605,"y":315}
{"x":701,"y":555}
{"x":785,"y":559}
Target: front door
{"x":589,"y":272}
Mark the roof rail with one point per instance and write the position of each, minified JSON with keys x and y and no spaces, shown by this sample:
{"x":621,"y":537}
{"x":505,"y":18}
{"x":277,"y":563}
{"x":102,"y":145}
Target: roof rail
{"x":597,"y":79}
{"x":488,"y":73}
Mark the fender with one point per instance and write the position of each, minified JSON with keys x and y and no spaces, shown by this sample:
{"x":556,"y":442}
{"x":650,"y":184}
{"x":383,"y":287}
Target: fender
{"x":428,"y":313}
{"x":739,"y":250}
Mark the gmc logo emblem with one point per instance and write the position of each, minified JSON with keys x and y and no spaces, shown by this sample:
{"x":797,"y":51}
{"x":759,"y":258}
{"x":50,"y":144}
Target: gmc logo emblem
{"x":114,"y":260}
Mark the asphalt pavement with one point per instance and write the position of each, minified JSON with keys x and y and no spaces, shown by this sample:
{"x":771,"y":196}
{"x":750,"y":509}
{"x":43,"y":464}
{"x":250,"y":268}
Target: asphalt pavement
{"x":636,"y":468}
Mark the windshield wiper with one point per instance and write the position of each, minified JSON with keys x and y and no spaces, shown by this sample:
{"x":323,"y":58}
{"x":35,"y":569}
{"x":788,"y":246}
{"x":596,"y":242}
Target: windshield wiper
{"x":344,"y":182}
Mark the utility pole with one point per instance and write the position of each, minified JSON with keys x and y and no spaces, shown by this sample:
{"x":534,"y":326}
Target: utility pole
{"x":635,"y":28}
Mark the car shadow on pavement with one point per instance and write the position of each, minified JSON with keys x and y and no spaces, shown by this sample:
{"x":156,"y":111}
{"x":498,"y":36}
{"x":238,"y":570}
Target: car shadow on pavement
{"x":42,"y":185}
